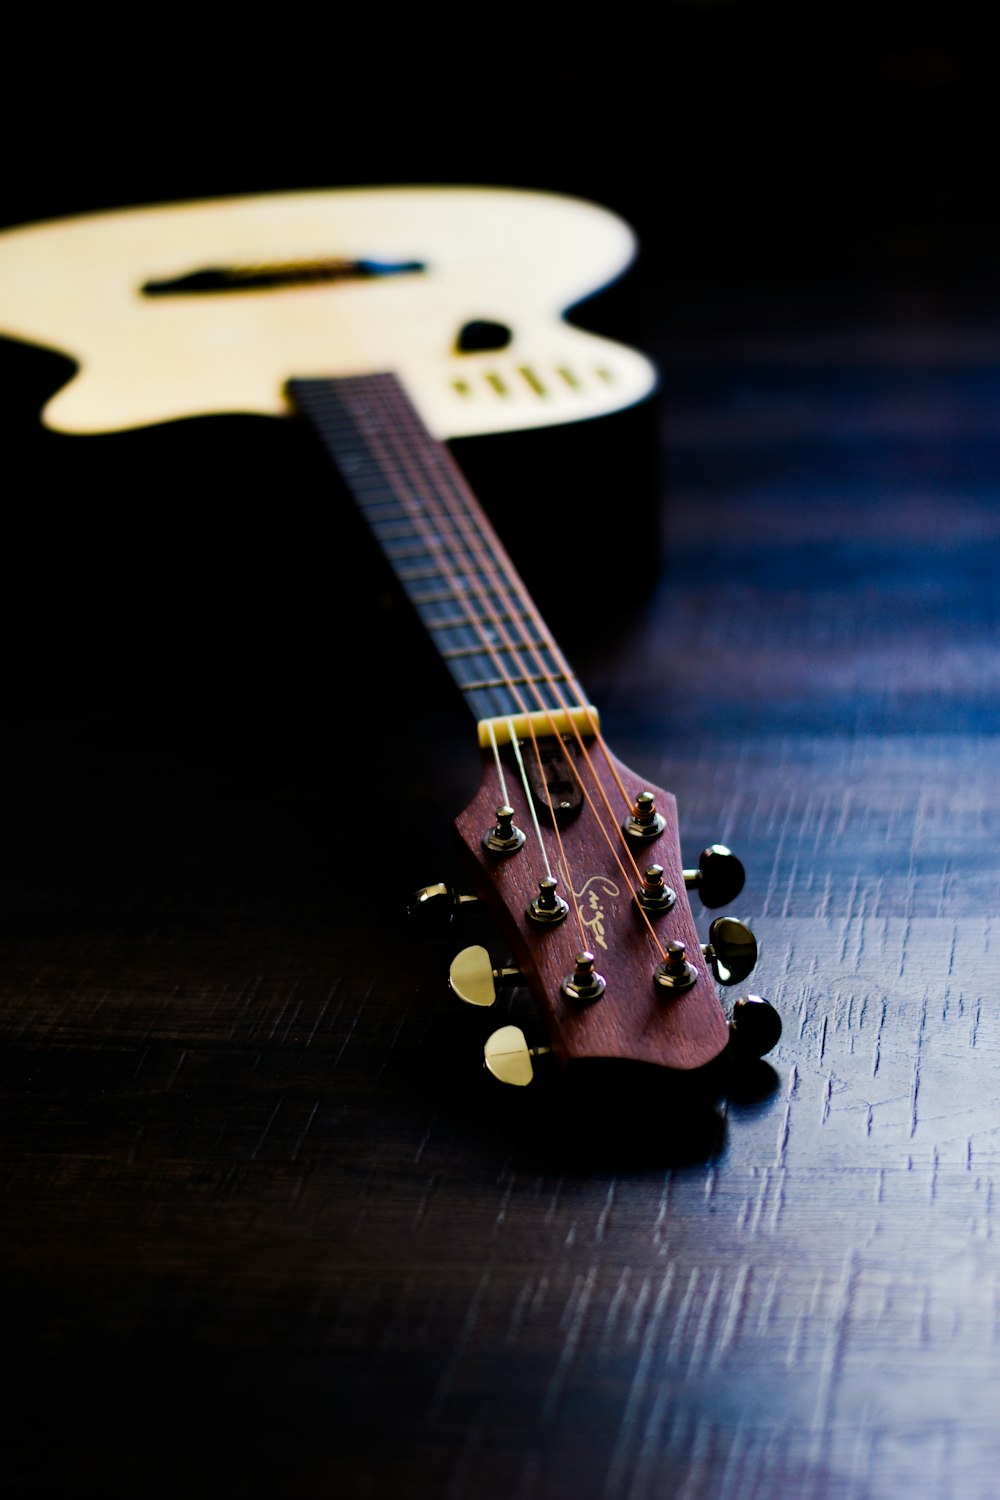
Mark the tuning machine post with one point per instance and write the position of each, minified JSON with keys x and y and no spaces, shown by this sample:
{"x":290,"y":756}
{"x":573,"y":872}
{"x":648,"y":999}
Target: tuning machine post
{"x":675,"y":973}
{"x":548,"y":908}
{"x":654,"y":895}
{"x":644,"y":822}
{"x":584,"y":985}
{"x":504,"y":837}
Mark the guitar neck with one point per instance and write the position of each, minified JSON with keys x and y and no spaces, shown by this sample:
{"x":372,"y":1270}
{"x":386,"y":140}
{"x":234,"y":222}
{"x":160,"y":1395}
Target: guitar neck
{"x":445,"y":554}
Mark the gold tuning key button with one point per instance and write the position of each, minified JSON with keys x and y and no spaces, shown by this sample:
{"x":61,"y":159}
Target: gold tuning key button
{"x":719,"y":877}
{"x":731,"y":950}
{"x":755,"y":1027}
{"x":438,"y":902}
{"x":473,"y":977}
{"x":645,"y":822}
{"x":508,"y":1056}
{"x":504,"y":837}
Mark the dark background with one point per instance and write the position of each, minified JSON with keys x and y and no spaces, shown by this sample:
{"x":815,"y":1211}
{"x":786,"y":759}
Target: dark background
{"x":268,"y":1227}
{"x":742,"y":141}
{"x":774,"y":167}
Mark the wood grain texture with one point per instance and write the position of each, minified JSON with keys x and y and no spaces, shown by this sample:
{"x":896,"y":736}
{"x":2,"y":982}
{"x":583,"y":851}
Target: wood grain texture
{"x":634,"y":1020}
{"x":268,"y":1228}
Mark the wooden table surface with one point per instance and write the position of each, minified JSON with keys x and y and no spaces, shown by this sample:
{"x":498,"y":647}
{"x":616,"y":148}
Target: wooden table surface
{"x":269,"y":1227}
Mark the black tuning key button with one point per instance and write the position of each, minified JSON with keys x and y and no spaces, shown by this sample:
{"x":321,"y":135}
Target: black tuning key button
{"x":755,"y":1027}
{"x":719,"y":877}
{"x":731,"y":950}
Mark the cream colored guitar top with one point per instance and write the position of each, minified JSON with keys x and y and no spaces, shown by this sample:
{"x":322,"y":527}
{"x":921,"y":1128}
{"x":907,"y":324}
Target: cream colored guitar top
{"x":459,"y":257}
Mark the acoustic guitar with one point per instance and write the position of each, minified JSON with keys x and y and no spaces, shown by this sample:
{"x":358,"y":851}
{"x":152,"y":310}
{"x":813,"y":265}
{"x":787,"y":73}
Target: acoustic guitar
{"x":392,"y":320}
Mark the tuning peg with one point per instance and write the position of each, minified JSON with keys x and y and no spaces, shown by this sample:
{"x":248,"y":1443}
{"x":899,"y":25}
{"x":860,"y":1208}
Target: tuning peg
{"x":654,"y":896}
{"x":755,"y":1026}
{"x":731,"y":950}
{"x":584,"y":985}
{"x":548,"y":907}
{"x":473,"y":977}
{"x":644,"y":822}
{"x":508,"y":1056}
{"x":440,"y":901}
{"x":675,"y":973}
{"x":719,"y":877}
{"x":504,"y":837}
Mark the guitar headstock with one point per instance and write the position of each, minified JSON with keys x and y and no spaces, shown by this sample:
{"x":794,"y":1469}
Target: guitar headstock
{"x":579,"y":861}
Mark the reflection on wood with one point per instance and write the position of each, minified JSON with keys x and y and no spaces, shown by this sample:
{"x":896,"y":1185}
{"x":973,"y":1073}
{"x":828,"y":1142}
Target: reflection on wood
{"x":269,"y":1224}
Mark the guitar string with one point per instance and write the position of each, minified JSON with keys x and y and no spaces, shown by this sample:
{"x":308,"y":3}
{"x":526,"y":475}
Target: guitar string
{"x":402,"y":416}
{"x":452,"y":485}
{"x":499,"y":764}
{"x":405,"y":441}
{"x":406,"y":423}
{"x":562,"y":861}
{"x":524,"y":783}
{"x":411,"y":422}
{"x":554,"y":681}
{"x":529,"y":800}
{"x":413,"y":452}
{"x":406,"y":470}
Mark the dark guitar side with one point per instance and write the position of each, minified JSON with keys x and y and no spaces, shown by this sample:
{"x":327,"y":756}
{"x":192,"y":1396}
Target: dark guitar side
{"x":269,"y":1227}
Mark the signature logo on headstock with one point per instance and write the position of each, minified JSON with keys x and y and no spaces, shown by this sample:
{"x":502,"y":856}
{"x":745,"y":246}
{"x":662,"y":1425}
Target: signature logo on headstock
{"x":595,"y":891}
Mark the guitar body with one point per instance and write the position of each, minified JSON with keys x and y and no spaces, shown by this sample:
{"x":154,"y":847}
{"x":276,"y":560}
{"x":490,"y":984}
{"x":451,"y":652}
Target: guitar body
{"x":513,"y":260}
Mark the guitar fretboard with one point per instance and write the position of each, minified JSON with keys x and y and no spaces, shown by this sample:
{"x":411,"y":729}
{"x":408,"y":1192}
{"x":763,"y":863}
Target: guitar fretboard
{"x":442,"y":548}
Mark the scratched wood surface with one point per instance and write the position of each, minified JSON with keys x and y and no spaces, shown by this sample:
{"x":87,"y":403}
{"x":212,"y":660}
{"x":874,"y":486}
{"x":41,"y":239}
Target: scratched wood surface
{"x":268,"y":1226}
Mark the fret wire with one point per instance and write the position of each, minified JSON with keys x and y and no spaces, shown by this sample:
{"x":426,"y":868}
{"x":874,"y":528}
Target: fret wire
{"x":462,"y":581}
{"x":479,"y":664}
{"x":396,"y":553}
{"x":481,"y":620}
{"x":441,"y":596}
{"x":418,"y":575}
{"x":492,"y":682}
{"x":476,"y":665}
{"x":389,"y":530}
{"x":457,"y":653}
